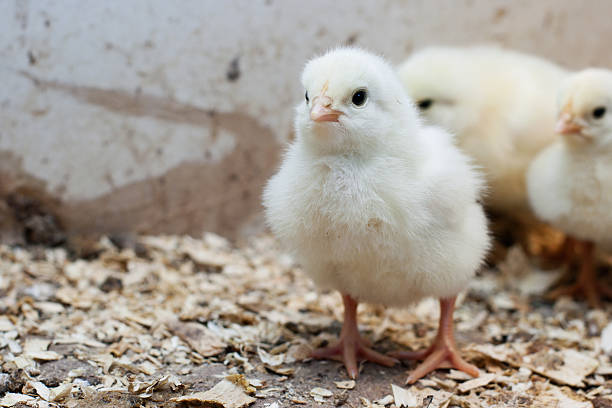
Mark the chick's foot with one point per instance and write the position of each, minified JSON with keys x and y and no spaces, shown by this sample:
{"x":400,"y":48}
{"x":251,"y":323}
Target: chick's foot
{"x":587,"y":283}
{"x":351,"y":347}
{"x":443,"y":352}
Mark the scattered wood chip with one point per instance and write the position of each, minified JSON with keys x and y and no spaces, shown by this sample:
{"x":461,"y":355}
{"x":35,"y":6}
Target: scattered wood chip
{"x":366,"y":403}
{"x":604,"y":369}
{"x":566,"y":366}
{"x":269,"y":359}
{"x":256,"y":382}
{"x":61,"y":392}
{"x":319,"y":394}
{"x":555,"y":397}
{"x":43,"y":355}
{"x":6,"y":324}
{"x":286,"y":371}
{"x":477,"y":382}
{"x":11,"y":399}
{"x":263,"y":313}
{"x":427,"y":401}
{"x":573,"y":368}
{"x":386,"y":400}
{"x":403,"y":397}
{"x":298,"y":352}
{"x":48,"y":394}
{"x":345,"y":385}
{"x":458,"y":375}
{"x":439,"y":398}
{"x":199,"y":337}
{"x":226,"y":394}
{"x":204,"y":256}
{"x":40,"y":388}
{"x":606,"y":339}
{"x":36,"y":344}
{"x":145,"y":389}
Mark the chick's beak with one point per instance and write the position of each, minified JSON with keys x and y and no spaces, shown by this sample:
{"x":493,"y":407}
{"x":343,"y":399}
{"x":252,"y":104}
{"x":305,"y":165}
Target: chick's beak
{"x":566,"y":124}
{"x":321,"y":110}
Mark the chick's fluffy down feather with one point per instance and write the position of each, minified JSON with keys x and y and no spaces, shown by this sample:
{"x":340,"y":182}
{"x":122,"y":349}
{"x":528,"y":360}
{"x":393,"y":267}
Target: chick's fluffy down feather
{"x":499,"y":103}
{"x":387,"y":221}
{"x":570,"y":182}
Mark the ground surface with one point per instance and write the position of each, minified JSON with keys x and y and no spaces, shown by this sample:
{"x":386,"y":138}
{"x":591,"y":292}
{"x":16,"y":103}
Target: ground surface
{"x":175,"y":317}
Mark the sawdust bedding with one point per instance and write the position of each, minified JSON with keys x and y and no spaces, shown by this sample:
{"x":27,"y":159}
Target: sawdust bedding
{"x":199,"y":322}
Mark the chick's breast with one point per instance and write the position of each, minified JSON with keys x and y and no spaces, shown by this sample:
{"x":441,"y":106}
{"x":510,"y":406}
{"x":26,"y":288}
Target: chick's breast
{"x":375,"y":229}
{"x":573,"y":192}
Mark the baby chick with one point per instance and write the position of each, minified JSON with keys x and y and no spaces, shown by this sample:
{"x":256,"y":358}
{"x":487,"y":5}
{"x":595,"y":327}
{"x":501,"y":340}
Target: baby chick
{"x":570,"y":182}
{"x":375,"y":205}
{"x":499,"y":103}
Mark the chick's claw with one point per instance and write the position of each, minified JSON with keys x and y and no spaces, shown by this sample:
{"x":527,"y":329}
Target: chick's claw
{"x":442,"y":355}
{"x":350,"y":350}
{"x":443,"y":352}
{"x":351,"y":347}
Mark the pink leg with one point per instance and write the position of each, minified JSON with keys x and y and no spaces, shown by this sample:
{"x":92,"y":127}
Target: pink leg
{"x":350,"y":347}
{"x":443,"y":352}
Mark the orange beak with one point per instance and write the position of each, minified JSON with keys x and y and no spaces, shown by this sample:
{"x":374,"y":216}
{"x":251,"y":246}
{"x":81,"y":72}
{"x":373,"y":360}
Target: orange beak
{"x":566,"y":125}
{"x":321,"y":110}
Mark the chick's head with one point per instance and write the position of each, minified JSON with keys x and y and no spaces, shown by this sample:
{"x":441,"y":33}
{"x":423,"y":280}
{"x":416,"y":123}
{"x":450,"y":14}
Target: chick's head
{"x":353,"y":102}
{"x":585,"y":109}
{"x":438,"y":80}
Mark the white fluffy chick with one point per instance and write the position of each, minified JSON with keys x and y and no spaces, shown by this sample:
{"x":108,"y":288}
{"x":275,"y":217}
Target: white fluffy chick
{"x":570,"y":182}
{"x":498,"y":103}
{"x":375,"y":205}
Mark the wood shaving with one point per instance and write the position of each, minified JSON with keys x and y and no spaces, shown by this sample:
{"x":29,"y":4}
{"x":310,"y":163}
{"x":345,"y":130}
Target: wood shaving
{"x":198,"y":337}
{"x":321,"y":392}
{"x":12,"y":399}
{"x":477,"y":382}
{"x":403,"y":397}
{"x":226,"y":394}
{"x":564,"y":367}
{"x":606,"y":339}
{"x":345,"y":385}
{"x":188,"y":314}
{"x":386,"y":400}
{"x":269,"y":359}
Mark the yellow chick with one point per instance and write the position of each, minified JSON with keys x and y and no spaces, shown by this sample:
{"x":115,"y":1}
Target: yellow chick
{"x":570,"y":182}
{"x":499,"y":103}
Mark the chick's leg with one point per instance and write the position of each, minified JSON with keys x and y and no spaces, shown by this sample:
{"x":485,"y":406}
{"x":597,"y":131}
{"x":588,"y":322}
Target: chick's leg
{"x":350,"y":347}
{"x":443,"y":352}
{"x":587,"y":282}
{"x":568,"y":250}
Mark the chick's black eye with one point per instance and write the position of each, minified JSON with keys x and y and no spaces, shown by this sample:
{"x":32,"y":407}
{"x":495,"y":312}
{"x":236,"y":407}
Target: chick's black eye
{"x":424,"y":104}
{"x":306,"y":96}
{"x":599,"y":112}
{"x":360,"y":97}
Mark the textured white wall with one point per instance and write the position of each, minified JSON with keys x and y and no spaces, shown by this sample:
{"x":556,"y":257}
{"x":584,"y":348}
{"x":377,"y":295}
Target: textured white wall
{"x":152,"y":115}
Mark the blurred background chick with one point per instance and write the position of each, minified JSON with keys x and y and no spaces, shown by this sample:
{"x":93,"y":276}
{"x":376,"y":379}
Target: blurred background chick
{"x":570,"y":182}
{"x":501,"y":106}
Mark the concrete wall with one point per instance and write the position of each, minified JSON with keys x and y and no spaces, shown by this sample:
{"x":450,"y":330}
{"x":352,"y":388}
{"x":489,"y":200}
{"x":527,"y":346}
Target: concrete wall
{"x":158,"y":116}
